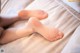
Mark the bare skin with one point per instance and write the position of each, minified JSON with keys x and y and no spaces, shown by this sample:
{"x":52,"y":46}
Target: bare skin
{"x":27,"y":28}
{"x":51,"y":34}
{"x":25,"y":14}
{"x":16,"y":31}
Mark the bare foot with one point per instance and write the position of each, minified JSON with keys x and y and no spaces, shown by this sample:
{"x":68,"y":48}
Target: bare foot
{"x":51,"y":34}
{"x":25,"y":14}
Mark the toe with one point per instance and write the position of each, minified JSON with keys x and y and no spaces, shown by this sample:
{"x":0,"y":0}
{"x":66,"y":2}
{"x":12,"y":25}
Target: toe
{"x":56,"y":36}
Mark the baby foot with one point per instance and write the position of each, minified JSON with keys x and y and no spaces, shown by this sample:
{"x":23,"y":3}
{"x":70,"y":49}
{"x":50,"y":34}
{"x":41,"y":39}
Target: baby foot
{"x":25,"y":14}
{"x":51,"y":34}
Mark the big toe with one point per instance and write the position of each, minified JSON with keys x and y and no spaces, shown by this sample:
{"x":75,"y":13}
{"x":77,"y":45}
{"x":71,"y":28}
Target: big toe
{"x":57,"y":37}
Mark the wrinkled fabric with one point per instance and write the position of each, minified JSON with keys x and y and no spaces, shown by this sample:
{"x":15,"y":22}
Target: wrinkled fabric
{"x":73,"y":45}
{"x":60,"y":16}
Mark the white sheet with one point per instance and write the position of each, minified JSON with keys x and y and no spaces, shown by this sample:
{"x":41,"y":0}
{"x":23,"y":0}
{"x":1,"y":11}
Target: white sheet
{"x":73,"y":46}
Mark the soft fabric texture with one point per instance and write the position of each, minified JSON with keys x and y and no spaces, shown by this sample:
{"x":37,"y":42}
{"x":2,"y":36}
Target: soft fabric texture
{"x":61,"y":16}
{"x":73,"y":46}
{"x":75,"y":5}
{"x":10,"y":8}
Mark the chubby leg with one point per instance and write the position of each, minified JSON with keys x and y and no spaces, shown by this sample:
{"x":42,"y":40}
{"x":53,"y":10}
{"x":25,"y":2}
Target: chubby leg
{"x":26,"y":14}
{"x":23,"y":14}
{"x":16,"y":32}
{"x":50,"y":34}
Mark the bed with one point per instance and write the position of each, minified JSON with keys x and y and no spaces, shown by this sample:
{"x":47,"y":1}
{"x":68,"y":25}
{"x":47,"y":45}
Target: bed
{"x":35,"y":43}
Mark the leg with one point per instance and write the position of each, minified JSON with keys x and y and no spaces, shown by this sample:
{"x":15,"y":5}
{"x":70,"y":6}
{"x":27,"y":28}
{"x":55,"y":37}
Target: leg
{"x":26,"y":14}
{"x":15,"y":32}
{"x":50,"y":34}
